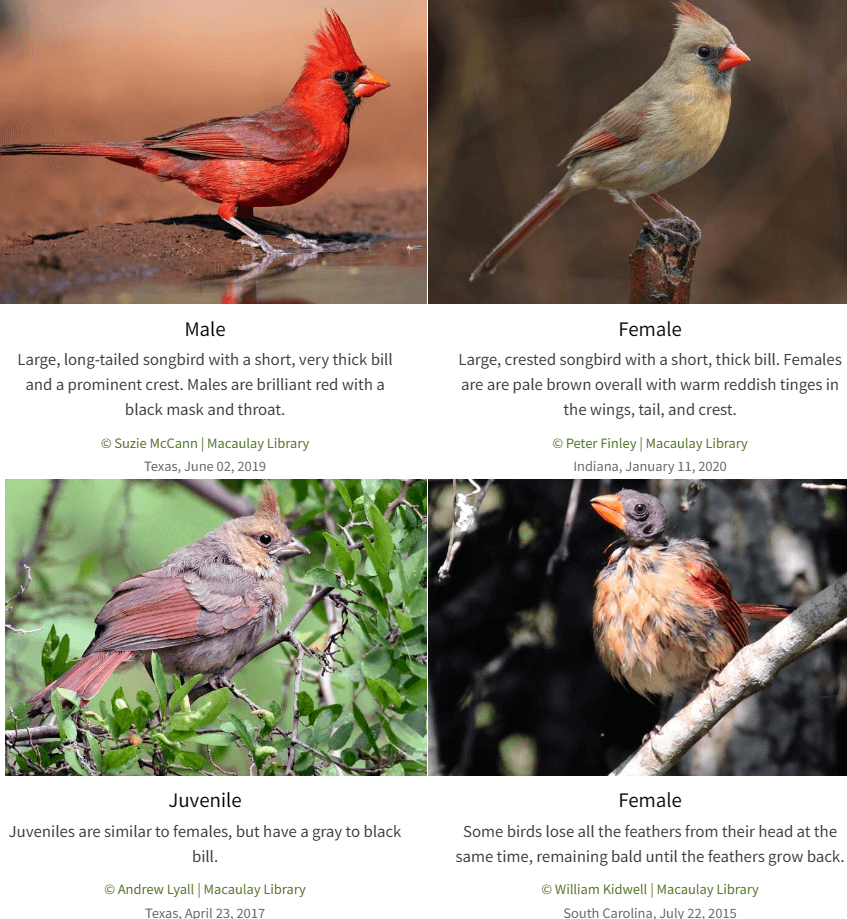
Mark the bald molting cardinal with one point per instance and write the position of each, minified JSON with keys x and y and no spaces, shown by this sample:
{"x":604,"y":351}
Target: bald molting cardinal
{"x":665,"y":619}
{"x":278,"y":156}
{"x":204,"y":607}
{"x":664,"y":132}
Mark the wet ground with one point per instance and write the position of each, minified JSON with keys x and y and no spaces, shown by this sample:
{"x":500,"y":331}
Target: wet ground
{"x":199,"y":259}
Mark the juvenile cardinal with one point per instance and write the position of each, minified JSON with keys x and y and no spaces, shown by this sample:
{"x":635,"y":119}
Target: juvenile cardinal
{"x":204,"y":607}
{"x":665,"y":620}
{"x":664,"y":132}
{"x":278,"y":156}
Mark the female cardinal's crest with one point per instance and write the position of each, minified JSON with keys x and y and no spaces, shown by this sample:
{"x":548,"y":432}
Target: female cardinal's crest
{"x":689,"y":11}
{"x":333,"y":45}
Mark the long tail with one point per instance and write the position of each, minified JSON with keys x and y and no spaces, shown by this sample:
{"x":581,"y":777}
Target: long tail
{"x":542,"y":211}
{"x":765,"y":612}
{"x":81,"y":149}
{"x":85,"y":678}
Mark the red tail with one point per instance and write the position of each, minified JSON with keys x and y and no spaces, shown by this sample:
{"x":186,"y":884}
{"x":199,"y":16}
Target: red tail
{"x":85,"y":678}
{"x":542,"y":211}
{"x":765,"y":612}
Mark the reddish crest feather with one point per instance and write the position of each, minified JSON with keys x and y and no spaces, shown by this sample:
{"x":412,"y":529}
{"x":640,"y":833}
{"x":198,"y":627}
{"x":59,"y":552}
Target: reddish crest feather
{"x":692,"y":12}
{"x":268,"y":506}
{"x":333,"y":47}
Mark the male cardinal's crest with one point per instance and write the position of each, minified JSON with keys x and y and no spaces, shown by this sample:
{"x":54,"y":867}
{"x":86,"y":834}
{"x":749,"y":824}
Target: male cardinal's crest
{"x":333,"y":44}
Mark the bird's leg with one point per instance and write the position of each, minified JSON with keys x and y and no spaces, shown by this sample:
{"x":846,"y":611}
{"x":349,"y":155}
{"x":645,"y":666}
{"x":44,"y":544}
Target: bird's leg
{"x":677,"y":213}
{"x":658,"y":230}
{"x":254,"y":239}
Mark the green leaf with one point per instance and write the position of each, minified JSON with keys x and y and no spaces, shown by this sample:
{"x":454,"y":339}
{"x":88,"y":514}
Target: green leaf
{"x":365,"y":728}
{"x":345,"y":495}
{"x":342,"y":557}
{"x":216,"y":739}
{"x":242,"y":730}
{"x":416,"y":667}
{"x":384,"y":692}
{"x":413,"y":568}
{"x":305,"y":704}
{"x":372,"y":592}
{"x":88,"y":566}
{"x":120,"y":757}
{"x":376,"y":663}
{"x":96,"y":751}
{"x":159,"y":680}
{"x":180,"y":693}
{"x":396,"y":769}
{"x":321,"y":576}
{"x":382,"y":536}
{"x":381,"y":571}
{"x":342,"y":733}
{"x":205,"y":713}
{"x":322,"y":728}
{"x":73,"y":761}
{"x":191,"y":759}
{"x":407,"y":735}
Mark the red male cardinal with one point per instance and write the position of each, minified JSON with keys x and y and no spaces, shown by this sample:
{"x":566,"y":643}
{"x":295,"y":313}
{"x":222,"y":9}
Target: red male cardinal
{"x":279,"y":156}
{"x":664,"y":132}
{"x":206,"y":605}
{"x":665,"y":619}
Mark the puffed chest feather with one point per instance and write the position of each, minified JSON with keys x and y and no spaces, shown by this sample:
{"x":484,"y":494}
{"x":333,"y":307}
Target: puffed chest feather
{"x":648,"y":628}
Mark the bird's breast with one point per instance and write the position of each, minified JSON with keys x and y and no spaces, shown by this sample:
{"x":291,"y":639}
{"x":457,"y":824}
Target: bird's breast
{"x":648,"y":628}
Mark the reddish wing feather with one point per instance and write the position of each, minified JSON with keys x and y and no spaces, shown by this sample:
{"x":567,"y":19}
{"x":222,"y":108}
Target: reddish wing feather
{"x":614,"y":129}
{"x":153,"y":611}
{"x":710,"y":586}
{"x":278,"y":135}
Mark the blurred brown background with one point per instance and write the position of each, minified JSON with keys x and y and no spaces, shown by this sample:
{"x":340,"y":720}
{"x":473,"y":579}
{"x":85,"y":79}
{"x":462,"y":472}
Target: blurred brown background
{"x":127,"y":69}
{"x":515,"y":82}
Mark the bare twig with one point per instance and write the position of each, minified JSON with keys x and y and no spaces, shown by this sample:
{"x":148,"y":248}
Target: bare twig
{"x":217,"y":494}
{"x":464,"y":521}
{"x":562,"y":550}
{"x":31,"y":553}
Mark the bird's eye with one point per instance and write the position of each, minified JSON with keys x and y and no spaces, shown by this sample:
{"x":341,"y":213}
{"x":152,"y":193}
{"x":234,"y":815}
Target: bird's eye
{"x":703,"y":52}
{"x":339,"y":76}
{"x":640,"y":510}
{"x":265,"y":539}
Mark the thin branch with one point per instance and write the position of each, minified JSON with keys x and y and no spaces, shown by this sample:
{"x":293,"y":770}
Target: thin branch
{"x":464,"y":522}
{"x":215,"y":493}
{"x":32,"y":552}
{"x":750,"y":671}
{"x":562,"y":551}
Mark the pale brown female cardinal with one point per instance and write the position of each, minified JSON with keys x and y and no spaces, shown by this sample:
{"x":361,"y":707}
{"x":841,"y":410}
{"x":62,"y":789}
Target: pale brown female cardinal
{"x":664,"y":132}
{"x":206,"y":605}
{"x":278,"y":156}
{"x":665,"y":620}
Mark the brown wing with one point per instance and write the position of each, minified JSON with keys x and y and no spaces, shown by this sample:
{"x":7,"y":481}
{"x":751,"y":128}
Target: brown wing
{"x":614,"y":129}
{"x":710,"y":586}
{"x":155,"y":610}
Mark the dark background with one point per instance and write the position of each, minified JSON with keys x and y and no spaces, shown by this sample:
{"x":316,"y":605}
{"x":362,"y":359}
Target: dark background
{"x":513,"y":83}
{"x":551,"y":708}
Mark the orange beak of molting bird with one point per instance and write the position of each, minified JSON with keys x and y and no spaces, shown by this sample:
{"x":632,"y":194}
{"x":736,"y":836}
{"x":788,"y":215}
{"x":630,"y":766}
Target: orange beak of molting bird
{"x":610,"y":508}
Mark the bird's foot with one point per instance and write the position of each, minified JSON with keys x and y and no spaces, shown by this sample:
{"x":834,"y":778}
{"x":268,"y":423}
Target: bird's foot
{"x":687,"y":235}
